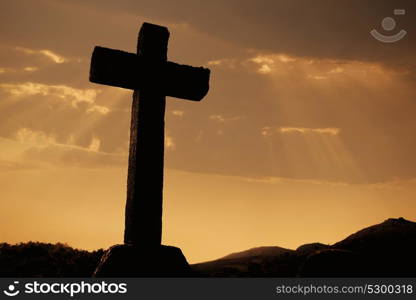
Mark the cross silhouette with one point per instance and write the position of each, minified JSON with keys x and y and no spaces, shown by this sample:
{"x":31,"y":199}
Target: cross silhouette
{"x":152,"y":78}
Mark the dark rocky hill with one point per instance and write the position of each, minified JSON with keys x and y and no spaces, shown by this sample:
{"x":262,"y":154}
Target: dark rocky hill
{"x":382,"y":250}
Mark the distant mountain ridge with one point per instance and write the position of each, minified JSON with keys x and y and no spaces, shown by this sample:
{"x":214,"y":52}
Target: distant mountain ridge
{"x":258,"y":251}
{"x":385,"y":249}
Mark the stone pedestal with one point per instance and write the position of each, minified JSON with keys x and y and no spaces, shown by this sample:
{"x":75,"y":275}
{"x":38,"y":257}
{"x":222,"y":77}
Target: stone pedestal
{"x":133,"y":261}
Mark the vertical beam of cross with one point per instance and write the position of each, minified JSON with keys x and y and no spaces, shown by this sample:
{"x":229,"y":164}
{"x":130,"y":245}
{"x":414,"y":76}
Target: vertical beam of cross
{"x":145,"y":173}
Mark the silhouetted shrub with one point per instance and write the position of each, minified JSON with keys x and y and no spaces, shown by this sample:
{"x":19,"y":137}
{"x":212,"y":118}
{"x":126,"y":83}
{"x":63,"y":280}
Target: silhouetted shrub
{"x":35,"y":259}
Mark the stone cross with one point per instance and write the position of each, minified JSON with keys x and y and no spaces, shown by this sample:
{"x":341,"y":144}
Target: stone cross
{"x":152,"y":78}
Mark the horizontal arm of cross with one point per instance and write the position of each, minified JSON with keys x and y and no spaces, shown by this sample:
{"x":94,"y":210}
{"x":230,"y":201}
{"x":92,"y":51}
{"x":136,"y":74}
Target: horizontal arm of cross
{"x":132,"y":71}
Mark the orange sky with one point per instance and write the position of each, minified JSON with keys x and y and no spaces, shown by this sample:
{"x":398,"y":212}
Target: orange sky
{"x":306,"y":134}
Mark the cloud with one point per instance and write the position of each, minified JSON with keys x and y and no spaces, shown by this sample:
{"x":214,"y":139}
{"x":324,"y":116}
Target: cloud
{"x":336,"y":70}
{"x":34,"y":138}
{"x":95,"y":145}
{"x":229,"y":63}
{"x":263,"y":59}
{"x":330,"y":131}
{"x":178,"y":113}
{"x":98,"y":108}
{"x":7,"y":70}
{"x":169,"y":143}
{"x":222,"y":119}
{"x":30,"y":69}
{"x":285,"y":180}
{"x":215,"y":62}
{"x":42,"y":149}
{"x":61,"y":91}
{"x":268,"y":62}
{"x":265,"y":63}
{"x":280,"y":64}
{"x":34,"y":149}
{"x":49,"y":54}
{"x":317,"y":77}
{"x":72,"y":95}
{"x":217,"y":118}
{"x":18,"y":71}
{"x":268,"y":131}
{"x":264,"y":69}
